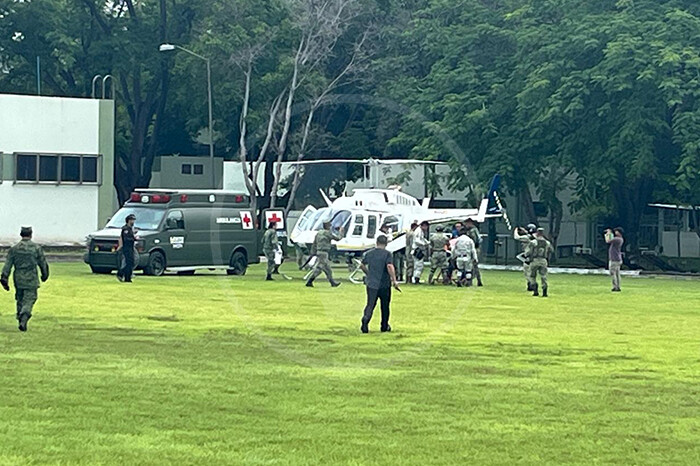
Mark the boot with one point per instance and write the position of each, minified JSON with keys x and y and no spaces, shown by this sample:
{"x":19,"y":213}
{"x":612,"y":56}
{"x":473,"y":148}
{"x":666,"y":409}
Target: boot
{"x":269,"y":278}
{"x":23,"y":323}
{"x":529,"y":286}
{"x":310,"y":283}
{"x":544,"y":292}
{"x":335,"y":284}
{"x":430,"y":279}
{"x":469,"y":282}
{"x":479,"y":282}
{"x":534,"y":290}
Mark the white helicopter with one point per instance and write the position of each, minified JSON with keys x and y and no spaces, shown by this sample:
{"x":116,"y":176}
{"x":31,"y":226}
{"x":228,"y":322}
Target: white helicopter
{"x":356,"y":219}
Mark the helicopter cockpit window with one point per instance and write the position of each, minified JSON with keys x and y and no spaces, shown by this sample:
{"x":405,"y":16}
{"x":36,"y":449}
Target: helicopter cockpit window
{"x":322,"y":215}
{"x":359,"y":225}
{"x":393,"y":223}
{"x":341,"y":220}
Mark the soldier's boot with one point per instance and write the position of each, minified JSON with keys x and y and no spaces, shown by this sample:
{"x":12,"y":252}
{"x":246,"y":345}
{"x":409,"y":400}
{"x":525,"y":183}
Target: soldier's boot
{"x":529,"y":286}
{"x":310,"y":283}
{"x":24,"y":318}
{"x":269,"y":278}
{"x":544,"y":292}
{"x":335,"y":284}
{"x":534,"y":290}
{"x":276,"y":270}
{"x":430,"y":278}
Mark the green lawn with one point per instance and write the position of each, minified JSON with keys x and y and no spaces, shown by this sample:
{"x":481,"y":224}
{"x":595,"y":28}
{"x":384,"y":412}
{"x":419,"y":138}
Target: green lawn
{"x":213,"y":369}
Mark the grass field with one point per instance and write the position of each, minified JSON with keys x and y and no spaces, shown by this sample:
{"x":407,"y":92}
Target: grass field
{"x":212,"y":369}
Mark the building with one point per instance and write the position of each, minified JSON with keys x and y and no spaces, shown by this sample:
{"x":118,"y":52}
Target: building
{"x":186,"y":172}
{"x":56,"y":167}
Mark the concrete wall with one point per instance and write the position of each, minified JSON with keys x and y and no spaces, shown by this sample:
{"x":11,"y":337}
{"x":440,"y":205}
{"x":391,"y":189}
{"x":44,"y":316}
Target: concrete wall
{"x":689,"y":244}
{"x":60,"y":213}
{"x":167,"y":172}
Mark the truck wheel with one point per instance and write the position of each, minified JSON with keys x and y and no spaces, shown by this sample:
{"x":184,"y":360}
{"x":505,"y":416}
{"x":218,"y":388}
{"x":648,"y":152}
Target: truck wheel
{"x":156,"y":264}
{"x":101,"y":270}
{"x":239,"y":264}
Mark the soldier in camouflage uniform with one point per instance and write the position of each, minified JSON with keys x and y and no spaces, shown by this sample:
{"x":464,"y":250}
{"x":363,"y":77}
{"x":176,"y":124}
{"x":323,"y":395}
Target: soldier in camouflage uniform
{"x":475,"y":235}
{"x":25,"y":257}
{"x":524,"y":236}
{"x":410,"y":260}
{"x":438,"y":255}
{"x":270,"y":244}
{"x":538,"y":251}
{"x":321,"y":249}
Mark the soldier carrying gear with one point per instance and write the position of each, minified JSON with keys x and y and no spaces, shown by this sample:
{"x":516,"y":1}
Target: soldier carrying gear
{"x":475,"y":235}
{"x":421,"y":242}
{"x":465,"y":255}
{"x":321,"y":249}
{"x":410,"y":260}
{"x":524,"y":236}
{"x":270,"y":244}
{"x":25,"y":257}
{"x":438,"y":255}
{"x":538,"y":252}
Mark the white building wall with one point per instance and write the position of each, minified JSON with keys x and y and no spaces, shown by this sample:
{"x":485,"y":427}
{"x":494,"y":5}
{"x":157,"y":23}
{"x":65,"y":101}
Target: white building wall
{"x":65,"y":213}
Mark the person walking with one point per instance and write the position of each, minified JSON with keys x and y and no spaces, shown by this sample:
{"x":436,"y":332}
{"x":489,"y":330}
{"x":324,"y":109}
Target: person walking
{"x":615,"y":241}
{"x":410,"y":260}
{"x":270,"y":244}
{"x":323,"y":243}
{"x":438,"y":255}
{"x":538,"y":252}
{"x":420,"y":246}
{"x":475,"y":235}
{"x":380,"y":277}
{"x":524,"y":236}
{"x":25,"y":258}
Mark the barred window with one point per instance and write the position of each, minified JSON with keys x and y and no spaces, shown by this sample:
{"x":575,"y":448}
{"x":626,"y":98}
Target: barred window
{"x":57,"y":168}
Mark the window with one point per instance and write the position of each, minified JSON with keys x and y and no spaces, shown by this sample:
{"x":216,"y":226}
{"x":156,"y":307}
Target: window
{"x":48,"y":168}
{"x":89,"y":169}
{"x":26,"y":167}
{"x":70,"y":169}
{"x":186,"y":169}
{"x":371,"y":226}
{"x":175,"y":220}
{"x":199,"y":169}
{"x":57,"y":168}
{"x":359,"y":224}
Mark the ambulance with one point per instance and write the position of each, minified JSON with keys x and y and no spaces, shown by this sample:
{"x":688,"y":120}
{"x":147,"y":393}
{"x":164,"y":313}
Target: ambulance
{"x":185,"y":230}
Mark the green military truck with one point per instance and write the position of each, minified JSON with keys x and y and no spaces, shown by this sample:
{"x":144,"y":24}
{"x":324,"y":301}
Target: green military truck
{"x":182,"y":231}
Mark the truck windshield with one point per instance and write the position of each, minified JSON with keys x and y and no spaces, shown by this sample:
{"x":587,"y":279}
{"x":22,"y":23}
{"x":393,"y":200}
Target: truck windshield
{"x":146,"y":218}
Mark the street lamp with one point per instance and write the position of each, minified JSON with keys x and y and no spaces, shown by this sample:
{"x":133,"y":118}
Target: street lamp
{"x":172,"y":48}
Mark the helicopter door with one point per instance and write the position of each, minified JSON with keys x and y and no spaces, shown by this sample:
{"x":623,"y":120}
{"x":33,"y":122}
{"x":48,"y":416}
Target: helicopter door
{"x":305,"y":221}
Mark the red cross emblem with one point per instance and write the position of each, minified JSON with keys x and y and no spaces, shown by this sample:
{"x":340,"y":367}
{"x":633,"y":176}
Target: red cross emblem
{"x":275,"y":216}
{"x":247,"y":221}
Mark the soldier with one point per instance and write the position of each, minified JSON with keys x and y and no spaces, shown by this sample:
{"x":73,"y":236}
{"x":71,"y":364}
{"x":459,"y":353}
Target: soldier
{"x":475,"y":235}
{"x":25,"y":257}
{"x":524,"y":236}
{"x":321,"y":249}
{"x":420,"y":247}
{"x":538,"y":251}
{"x":615,"y":241}
{"x":410,"y":260}
{"x":270,"y":244}
{"x":127,"y":246}
{"x":438,"y":255}
{"x":465,"y":255}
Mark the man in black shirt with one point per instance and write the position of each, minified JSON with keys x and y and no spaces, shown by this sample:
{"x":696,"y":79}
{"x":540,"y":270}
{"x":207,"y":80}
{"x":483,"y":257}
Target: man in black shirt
{"x":380,"y":276}
{"x":127,"y":246}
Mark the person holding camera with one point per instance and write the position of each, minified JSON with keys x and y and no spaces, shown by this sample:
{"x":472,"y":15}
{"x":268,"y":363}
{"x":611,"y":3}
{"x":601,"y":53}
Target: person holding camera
{"x":25,"y":257}
{"x":524,"y":236}
{"x":615,"y":241}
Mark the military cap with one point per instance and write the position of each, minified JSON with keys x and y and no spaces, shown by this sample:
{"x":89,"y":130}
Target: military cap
{"x":540,"y":230}
{"x":26,"y":232}
{"x":130,"y":217}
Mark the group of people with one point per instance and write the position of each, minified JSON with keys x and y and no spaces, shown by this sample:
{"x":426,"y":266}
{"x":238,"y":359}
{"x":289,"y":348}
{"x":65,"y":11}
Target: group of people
{"x":448,"y":253}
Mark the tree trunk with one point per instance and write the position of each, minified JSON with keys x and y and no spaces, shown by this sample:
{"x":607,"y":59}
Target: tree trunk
{"x":528,"y":207}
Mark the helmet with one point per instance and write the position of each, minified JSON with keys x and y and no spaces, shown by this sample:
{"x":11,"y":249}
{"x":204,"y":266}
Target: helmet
{"x":439,"y":228}
{"x":531,"y":228}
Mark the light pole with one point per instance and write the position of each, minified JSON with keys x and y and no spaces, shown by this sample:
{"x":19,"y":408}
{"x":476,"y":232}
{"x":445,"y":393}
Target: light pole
{"x":173,"y":47}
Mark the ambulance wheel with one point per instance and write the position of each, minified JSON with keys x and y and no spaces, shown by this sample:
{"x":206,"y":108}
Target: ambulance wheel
{"x":101,"y":270}
{"x":156,"y":264}
{"x":239,"y":264}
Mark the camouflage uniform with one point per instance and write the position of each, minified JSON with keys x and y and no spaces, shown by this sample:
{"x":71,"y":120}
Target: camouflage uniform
{"x":438,"y":256}
{"x":538,"y":251}
{"x":475,"y":235}
{"x":321,"y":249}
{"x":409,"y":256}
{"x":524,"y":240}
{"x":270,"y":244}
{"x":420,"y":243}
{"x":465,"y":255}
{"x":25,"y":257}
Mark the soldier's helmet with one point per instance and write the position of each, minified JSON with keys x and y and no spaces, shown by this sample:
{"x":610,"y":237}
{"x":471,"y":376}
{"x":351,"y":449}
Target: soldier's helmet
{"x":439,"y":228}
{"x":531,"y":228}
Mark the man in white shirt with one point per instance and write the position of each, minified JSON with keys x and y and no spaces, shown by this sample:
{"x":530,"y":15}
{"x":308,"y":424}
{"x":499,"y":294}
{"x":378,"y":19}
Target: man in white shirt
{"x":464,"y":251}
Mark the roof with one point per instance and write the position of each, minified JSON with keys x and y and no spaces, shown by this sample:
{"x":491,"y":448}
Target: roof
{"x":222,"y":192}
{"x":674,"y":206}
